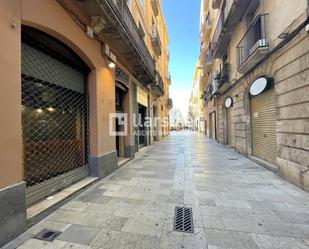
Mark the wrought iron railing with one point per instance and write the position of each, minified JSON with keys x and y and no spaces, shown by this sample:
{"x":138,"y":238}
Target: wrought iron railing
{"x":124,"y":15}
{"x":209,"y":57}
{"x":254,"y":38}
{"x":170,"y":103}
{"x":158,"y":85}
{"x":221,"y":21}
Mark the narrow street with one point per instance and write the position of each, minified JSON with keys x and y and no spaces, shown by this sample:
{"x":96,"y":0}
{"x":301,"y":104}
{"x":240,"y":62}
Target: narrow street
{"x":236,"y":204}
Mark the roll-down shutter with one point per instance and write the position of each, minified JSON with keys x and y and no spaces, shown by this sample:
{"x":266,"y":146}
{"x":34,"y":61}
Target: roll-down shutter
{"x":54,"y":121}
{"x":263,"y":113}
{"x":230,"y":127}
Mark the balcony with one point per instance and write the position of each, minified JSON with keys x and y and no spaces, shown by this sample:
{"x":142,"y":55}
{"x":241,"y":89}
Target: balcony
{"x":155,"y":40}
{"x":206,"y":96}
{"x":123,"y":34}
{"x":168,"y":77}
{"x":214,"y":86}
{"x":253,"y":46}
{"x":221,"y":82}
{"x":155,"y":7}
{"x":158,"y":86}
{"x":208,"y":62}
{"x":170,"y":103}
{"x":206,"y":28}
{"x":232,"y":11}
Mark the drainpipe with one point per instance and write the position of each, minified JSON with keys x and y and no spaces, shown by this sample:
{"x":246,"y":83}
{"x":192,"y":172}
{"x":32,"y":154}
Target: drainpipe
{"x":307,"y":25}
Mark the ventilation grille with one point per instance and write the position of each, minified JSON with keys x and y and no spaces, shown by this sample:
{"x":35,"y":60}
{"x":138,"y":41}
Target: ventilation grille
{"x":183,"y":220}
{"x":47,"y":235}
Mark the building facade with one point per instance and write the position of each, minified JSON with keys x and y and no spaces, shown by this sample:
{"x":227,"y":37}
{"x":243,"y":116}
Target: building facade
{"x":255,"y":81}
{"x":196,"y":108}
{"x":79,"y":80}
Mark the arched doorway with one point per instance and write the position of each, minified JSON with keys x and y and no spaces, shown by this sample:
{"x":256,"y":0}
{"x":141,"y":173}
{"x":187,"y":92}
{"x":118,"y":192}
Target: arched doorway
{"x":54,"y":115}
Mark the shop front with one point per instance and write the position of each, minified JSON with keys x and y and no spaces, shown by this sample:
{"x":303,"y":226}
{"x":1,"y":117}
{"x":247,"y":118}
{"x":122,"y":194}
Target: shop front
{"x":263,"y":119}
{"x":54,"y":115}
{"x":142,"y":116}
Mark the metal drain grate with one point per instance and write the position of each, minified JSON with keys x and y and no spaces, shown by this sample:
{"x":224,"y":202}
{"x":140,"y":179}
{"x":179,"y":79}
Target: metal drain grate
{"x":47,"y":235}
{"x":183,"y":221}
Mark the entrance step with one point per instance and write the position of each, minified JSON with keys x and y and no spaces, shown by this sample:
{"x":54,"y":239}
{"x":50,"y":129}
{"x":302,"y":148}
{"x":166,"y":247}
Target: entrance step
{"x":48,"y":203}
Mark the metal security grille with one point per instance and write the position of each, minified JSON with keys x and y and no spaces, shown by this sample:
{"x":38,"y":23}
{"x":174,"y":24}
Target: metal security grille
{"x":54,"y":122}
{"x":183,"y":220}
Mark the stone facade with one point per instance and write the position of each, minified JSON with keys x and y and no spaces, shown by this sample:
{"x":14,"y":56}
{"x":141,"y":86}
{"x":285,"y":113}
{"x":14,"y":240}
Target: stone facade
{"x":287,"y":63}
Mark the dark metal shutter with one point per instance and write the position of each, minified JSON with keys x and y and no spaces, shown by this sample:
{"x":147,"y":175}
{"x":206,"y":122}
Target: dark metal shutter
{"x":54,"y":123}
{"x":263,"y":113}
{"x":230,"y":127}
{"x":213,"y":125}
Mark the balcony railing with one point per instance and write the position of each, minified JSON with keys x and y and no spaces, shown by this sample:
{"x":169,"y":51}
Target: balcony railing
{"x":220,"y":80}
{"x":170,"y":103}
{"x":125,"y":15}
{"x":158,"y":86}
{"x":208,"y":61}
{"x":155,"y":7}
{"x":124,"y":35}
{"x":209,"y":57}
{"x":230,"y":15}
{"x":222,"y":19}
{"x":155,"y":39}
{"x":254,"y":39}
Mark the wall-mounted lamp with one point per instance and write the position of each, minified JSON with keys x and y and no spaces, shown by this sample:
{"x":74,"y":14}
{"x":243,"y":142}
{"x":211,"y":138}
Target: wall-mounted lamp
{"x":111,"y":57}
{"x":111,"y":64}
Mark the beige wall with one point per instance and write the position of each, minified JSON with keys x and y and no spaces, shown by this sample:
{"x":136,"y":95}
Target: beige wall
{"x":10,"y":94}
{"x":50,"y":17}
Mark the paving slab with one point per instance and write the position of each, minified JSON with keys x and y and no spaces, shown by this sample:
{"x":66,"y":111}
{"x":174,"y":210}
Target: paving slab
{"x":236,"y":204}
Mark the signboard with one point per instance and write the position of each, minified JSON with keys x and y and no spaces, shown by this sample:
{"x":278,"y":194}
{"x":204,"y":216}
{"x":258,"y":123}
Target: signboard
{"x":258,"y":86}
{"x":142,"y":97}
{"x":228,"y":102}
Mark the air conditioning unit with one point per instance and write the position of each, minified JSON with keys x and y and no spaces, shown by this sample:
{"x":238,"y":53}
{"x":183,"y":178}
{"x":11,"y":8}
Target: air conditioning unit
{"x":258,"y":44}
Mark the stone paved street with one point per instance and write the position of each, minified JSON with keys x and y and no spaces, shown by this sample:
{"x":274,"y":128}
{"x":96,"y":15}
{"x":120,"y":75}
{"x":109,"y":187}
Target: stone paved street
{"x":236,"y":204}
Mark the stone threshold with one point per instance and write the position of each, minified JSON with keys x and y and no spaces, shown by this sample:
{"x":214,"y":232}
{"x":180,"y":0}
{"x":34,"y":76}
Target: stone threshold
{"x":43,"y":208}
{"x":123,"y":161}
{"x":270,"y":166}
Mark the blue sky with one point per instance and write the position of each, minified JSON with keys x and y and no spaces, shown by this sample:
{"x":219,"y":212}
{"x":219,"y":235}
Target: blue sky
{"x":182,"y":17}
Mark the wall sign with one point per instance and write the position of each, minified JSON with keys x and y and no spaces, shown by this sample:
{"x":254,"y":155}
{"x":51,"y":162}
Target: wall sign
{"x":228,"y":102}
{"x":142,"y":97}
{"x":258,"y":86}
{"x":122,"y":77}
